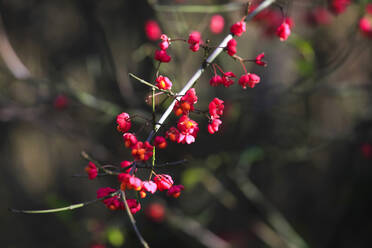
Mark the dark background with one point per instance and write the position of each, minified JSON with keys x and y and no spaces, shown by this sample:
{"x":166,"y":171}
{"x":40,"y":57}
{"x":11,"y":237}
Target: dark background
{"x":291,"y":166}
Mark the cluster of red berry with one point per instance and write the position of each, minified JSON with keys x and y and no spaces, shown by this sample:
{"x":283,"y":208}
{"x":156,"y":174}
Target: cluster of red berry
{"x":141,"y":152}
{"x":186,"y":129}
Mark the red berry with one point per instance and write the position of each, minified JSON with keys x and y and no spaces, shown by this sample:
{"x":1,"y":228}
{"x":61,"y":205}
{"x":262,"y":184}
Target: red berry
{"x":216,"y":108}
{"x":194,"y":41}
{"x":186,"y":103}
{"x":283,"y":31}
{"x":338,"y":6}
{"x":142,"y":151}
{"x":215,"y":80}
{"x":129,"y":182}
{"x":152,"y":30}
{"x":231,"y":47}
{"x":175,"y":191}
{"x":319,"y":16}
{"x":126,"y":164}
{"x":194,"y":47}
{"x":134,"y":205}
{"x":214,"y":125}
{"x":226,"y":78}
{"x":112,"y":203}
{"x":249,"y":79}
{"x":188,"y":129}
{"x":160,"y":142}
{"x":123,"y":121}
{"x":91,"y":170}
{"x":194,"y":37}
{"x":60,"y":102}
{"x":155,"y":212}
{"x":365,"y":27}
{"x":163,"y":83}
{"x":238,"y":28}
{"x":217,"y":24}
{"x":369,"y":8}
{"x":162,"y":56}
{"x":149,"y":186}
{"x":366,"y":149}
{"x":164,"y":44}
{"x":172,"y":134}
{"x":163,"y":181}
{"x":129,"y":140}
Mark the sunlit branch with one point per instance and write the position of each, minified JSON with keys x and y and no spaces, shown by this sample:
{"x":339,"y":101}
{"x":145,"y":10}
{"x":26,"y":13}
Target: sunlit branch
{"x":206,"y":63}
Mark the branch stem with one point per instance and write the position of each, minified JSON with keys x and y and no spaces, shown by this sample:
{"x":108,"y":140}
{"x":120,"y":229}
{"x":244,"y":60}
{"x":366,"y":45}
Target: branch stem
{"x":55,"y":210}
{"x":150,"y":85}
{"x":200,"y":71}
{"x":103,"y":168}
{"x":133,"y":221}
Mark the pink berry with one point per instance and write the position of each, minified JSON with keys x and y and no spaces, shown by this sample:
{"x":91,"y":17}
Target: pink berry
{"x":213,"y":126}
{"x":160,"y":142}
{"x":152,"y":30}
{"x":238,"y":28}
{"x":365,"y":27}
{"x":215,"y":80}
{"x":217,"y":24}
{"x":283,"y":31}
{"x":91,"y":170}
{"x":194,"y":41}
{"x":162,"y":56}
{"x":249,"y":79}
{"x":231,"y":47}
{"x":123,"y":121}
{"x":175,"y":191}
{"x":163,"y":83}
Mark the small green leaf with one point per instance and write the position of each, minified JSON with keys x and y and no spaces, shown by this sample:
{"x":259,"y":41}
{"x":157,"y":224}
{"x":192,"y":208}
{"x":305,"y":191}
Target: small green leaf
{"x":192,"y":176}
{"x":115,"y":236}
{"x":252,"y":155}
{"x":306,"y":64}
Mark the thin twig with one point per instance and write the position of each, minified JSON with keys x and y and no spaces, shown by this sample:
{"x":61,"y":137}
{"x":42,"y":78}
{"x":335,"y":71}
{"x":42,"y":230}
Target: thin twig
{"x":200,"y":71}
{"x":87,"y":157}
{"x":153,"y":126}
{"x":133,"y":221}
{"x":172,"y":163}
{"x":86,"y":176}
{"x":162,"y":165}
{"x":55,"y":210}
{"x":150,"y":85}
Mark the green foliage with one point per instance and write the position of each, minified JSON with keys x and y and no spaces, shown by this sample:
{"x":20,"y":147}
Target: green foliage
{"x":115,"y":236}
{"x":192,"y":176}
{"x":251,"y":155}
{"x":305,"y":65}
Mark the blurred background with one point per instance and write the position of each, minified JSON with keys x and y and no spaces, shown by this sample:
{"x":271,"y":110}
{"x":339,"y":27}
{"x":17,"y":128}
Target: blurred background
{"x":290,"y":167}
